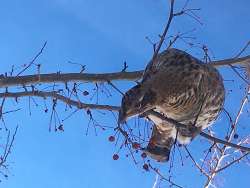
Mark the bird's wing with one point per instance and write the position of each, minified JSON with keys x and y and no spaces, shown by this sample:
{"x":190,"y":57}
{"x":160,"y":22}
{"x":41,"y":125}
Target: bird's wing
{"x":168,"y":56}
{"x":176,"y":78}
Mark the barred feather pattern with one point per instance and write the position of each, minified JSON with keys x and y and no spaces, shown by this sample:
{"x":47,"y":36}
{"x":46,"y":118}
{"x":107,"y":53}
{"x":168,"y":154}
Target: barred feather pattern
{"x":180,"y":87}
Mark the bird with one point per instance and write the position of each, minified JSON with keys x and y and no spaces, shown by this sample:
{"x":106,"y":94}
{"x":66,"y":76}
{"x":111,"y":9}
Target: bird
{"x":180,"y":87}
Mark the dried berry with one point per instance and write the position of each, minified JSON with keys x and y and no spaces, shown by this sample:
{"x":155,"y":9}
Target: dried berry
{"x":236,"y":136}
{"x":111,"y":138}
{"x":85,"y":93}
{"x":60,"y":128}
{"x":136,"y":145}
{"x":115,"y":157}
{"x":144,"y":155}
{"x":145,"y":167}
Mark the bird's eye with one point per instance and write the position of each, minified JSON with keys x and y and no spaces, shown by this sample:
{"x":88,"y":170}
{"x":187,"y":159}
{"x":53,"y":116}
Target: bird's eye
{"x":138,"y":105}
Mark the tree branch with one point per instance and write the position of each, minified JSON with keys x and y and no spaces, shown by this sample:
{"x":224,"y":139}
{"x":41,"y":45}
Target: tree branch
{"x":222,"y":151}
{"x":170,"y":18}
{"x":34,"y":59}
{"x":195,"y":163}
{"x":80,"y":105}
{"x":231,"y":163}
{"x":226,"y":143}
{"x":88,"y":77}
{"x":8,"y":147}
{"x":56,"y":95}
{"x":231,"y":61}
{"x":203,"y":134}
{"x":68,"y":77}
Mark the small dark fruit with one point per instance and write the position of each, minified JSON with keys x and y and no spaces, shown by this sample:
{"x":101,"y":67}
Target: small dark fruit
{"x":136,"y":145}
{"x":115,"y":157}
{"x":111,"y":138}
{"x":85,"y":93}
{"x":236,"y":136}
{"x":144,"y":155}
{"x":60,"y":128}
{"x":145,"y":167}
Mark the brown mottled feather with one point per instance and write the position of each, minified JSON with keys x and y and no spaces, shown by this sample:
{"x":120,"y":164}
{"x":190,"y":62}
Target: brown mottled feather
{"x":180,"y":87}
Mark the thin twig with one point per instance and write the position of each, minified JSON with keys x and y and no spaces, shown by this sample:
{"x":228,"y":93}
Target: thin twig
{"x":170,"y":18}
{"x":33,"y":60}
{"x":118,"y":90}
{"x":231,"y":163}
{"x":8,"y":147}
{"x":164,"y":178}
{"x":195,"y":163}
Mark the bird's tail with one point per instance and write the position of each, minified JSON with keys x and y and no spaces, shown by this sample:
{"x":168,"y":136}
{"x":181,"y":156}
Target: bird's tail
{"x":159,"y":146}
{"x":158,"y":153}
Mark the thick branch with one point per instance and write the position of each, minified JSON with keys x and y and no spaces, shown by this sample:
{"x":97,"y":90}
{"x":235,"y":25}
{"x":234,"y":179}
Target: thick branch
{"x":232,"y":61}
{"x":88,"y":77}
{"x":80,"y":105}
{"x":68,"y":77}
{"x":217,"y":140}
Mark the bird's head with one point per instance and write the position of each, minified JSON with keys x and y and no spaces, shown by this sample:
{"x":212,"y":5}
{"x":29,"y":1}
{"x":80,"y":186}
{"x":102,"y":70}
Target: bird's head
{"x":131,"y":103}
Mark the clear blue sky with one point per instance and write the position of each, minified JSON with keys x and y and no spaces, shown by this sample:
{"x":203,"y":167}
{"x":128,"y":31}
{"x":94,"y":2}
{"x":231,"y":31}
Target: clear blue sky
{"x":102,"y":35}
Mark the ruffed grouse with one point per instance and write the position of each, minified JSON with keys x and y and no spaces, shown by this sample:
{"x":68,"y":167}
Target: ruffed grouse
{"x":180,"y":87}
